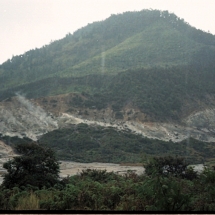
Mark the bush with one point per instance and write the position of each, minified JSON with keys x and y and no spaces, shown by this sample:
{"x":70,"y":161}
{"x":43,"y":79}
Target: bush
{"x":169,"y":165}
{"x":28,"y":202}
{"x":37,"y":166}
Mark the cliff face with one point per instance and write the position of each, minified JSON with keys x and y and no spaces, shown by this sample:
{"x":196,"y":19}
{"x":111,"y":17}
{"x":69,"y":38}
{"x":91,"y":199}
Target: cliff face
{"x":24,"y":118}
{"x":19,"y":117}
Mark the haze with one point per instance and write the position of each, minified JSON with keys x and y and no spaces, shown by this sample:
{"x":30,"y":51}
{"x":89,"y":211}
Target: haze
{"x":28,"y":24}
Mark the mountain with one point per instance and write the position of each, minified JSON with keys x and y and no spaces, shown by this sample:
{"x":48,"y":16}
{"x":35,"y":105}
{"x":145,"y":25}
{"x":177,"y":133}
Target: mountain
{"x":130,"y":40}
{"x":146,"y":72}
{"x":147,"y":45}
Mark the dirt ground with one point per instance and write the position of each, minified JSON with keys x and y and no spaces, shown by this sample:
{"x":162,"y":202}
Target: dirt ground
{"x":5,"y":150}
{"x":72,"y":168}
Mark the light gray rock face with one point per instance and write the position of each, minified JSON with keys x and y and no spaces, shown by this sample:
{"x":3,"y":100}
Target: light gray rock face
{"x":20,"y":117}
{"x":203,"y":120}
{"x":162,"y":131}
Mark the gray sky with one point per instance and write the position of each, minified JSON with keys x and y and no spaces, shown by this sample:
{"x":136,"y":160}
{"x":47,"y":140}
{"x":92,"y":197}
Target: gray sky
{"x":27,"y":24}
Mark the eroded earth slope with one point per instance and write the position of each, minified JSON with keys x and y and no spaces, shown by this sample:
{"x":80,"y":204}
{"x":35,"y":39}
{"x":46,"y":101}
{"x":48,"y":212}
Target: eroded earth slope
{"x":33,"y":118}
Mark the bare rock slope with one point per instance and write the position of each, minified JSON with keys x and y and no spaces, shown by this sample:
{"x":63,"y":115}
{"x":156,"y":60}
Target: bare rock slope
{"x":24,"y":118}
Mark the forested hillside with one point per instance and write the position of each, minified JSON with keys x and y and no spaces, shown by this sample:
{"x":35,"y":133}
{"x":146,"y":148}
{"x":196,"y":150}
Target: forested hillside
{"x":152,"y":38}
{"x":152,"y":62}
{"x":83,"y":143}
{"x":157,"y":63}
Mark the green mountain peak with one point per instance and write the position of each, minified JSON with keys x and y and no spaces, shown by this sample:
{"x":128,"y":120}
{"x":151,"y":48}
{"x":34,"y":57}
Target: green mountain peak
{"x":104,"y":58}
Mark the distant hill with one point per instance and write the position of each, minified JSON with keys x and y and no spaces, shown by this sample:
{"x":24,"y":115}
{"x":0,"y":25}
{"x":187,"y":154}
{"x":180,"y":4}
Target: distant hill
{"x":151,"y":59}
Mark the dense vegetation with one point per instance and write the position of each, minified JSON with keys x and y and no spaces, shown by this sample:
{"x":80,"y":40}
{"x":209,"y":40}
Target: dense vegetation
{"x":85,"y":143}
{"x":36,"y":166}
{"x":151,"y":38}
{"x":179,"y":190}
{"x":161,"y":93}
{"x":157,"y":63}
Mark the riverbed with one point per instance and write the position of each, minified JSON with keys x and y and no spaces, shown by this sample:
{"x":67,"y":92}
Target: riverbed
{"x":73,"y":168}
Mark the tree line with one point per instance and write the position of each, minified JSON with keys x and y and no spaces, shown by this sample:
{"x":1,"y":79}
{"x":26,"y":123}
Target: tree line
{"x":168,"y":184}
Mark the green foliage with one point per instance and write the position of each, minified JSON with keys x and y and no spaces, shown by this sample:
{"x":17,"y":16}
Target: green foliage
{"x":151,"y":39}
{"x":101,"y":176}
{"x":166,"y":166}
{"x":203,"y":200}
{"x":169,"y":166}
{"x":100,"y":190}
{"x":14,"y":140}
{"x":157,"y":63}
{"x":37,"y":166}
{"x":160,"y":93}
{"x":84,"y":143}
{"x":165,"y":193}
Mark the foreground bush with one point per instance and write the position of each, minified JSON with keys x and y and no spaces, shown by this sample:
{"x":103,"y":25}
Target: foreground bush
{"x":100,"y":190}
{"x":36,"y":166}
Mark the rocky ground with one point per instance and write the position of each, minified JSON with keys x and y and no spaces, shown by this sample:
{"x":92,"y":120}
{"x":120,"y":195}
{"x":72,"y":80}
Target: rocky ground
{"x":32,"y":118}
{"x":162,"y":131}
{"x":19,"y":117}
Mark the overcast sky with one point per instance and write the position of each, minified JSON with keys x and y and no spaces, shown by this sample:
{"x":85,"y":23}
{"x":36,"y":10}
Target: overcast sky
{"x":27,"y":24}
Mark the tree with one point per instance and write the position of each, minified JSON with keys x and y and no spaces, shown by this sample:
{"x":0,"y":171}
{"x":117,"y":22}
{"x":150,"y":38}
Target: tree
{"x":37,"y":166}
{"x":168,"y":165}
